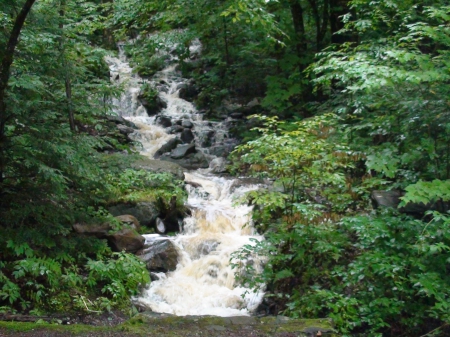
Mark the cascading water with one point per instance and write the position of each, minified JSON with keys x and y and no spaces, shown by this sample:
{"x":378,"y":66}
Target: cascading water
{"x":203,"y":282}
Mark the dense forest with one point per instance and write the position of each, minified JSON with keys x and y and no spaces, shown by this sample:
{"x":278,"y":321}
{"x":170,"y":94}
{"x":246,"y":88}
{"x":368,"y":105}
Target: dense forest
{"x":346,"y":114}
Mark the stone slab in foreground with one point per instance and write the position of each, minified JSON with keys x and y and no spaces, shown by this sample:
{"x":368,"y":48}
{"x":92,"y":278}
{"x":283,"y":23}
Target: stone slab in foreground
{"x":151,"y":324}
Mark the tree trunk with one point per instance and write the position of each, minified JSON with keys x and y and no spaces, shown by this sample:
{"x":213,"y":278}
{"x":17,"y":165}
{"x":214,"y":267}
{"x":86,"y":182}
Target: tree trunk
{"x":337,"y":9}
{"x":67,"y":82}
{"x":4,"y":77}
{"x":299,"y":28}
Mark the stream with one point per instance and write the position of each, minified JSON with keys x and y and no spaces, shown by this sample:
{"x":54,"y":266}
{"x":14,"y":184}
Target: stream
{"x":203,"y":282}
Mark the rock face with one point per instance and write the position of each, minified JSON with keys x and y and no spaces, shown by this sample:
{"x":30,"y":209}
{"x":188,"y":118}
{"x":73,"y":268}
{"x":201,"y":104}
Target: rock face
{"x":159,"y":255}
{"x":126,"y":238}
{"x":145,"y":212}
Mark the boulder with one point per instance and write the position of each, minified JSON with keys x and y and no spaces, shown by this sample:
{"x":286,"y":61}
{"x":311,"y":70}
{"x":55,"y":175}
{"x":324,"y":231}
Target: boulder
{"x":221,"y":150}
{"x":125,"y":130}
{"x":159,"y":166}
{"x":121,"y":120}
{"x":153,"y":106}
{"x":164,"y":121}
{"x":392,"y":199}
{"x":126,"y":238}
{"x":386,"y":198}
{"x":188,"y":92}
{"x":192,"y":161}
{"x":176,"y":129}
{"x":218,"y":165}
{"x":145,"y":212}
{"x":182,"y":151}
{"x":186,"y":136}
{"x":206,"y":138}
{"x":167,"y":147}
{"x":187,"y":124}
{"x":159,"y":255}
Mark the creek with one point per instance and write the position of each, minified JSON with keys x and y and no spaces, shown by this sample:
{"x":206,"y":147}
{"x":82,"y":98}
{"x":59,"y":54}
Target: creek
{"x":204,"y":281}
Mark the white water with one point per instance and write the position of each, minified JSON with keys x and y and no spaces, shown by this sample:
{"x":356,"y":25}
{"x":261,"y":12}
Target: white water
{"x":203,"y":282}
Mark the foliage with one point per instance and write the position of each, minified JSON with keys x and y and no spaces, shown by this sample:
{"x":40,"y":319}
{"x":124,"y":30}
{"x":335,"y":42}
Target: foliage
{"x":139,"y":185}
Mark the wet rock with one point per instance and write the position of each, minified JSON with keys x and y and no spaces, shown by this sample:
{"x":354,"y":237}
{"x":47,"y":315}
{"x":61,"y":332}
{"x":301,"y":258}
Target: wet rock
{"x":236,"y":115}
{"x":176,"y":129}
{"x":153,"y":106}
{"x":160,"y":255}
{"x":221,"y":150}
{"x":145,"y":212}
{"x":187,"y":124}
{"x":125,"y":130}
{"x":160,"y":166}
{"x":191,"y":162}
{"x":167,"y":147}
{"x":206,"y":247}
{"x":121,"y":120}
{"x":188,"y":92}
{"x":218,"y":165}
{"x":186,"y":136}
{"x":182,"y":151}
{"x":206,"y":138}
{"x":124,"y":238}
{"x":386,"y":198}
{"x":164,"y":121}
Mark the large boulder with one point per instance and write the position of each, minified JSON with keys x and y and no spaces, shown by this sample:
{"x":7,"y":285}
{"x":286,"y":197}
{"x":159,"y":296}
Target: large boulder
{"x":167,"y":147}
{"x":218,"y":165}
{"x":182,"y":151}
{"x":187,"y":136}
{"x":145,"y":212}
{"x":188,"y":91}
{"x":386,"y":198}
{"x":153,"y":106}
{"x":393,"y":198}
{"x":192,"y":161}
{"x":159,"y":255}
{"x":124,"y":238}
{"x":159,"y":166}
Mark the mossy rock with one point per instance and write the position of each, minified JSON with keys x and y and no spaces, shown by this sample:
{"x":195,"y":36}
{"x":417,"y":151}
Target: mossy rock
{"x":152,"y":324}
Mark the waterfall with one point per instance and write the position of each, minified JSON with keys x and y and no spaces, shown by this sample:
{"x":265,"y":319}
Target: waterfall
{"x":203,"y":282}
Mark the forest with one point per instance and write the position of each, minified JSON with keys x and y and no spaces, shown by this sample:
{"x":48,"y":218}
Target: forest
{"x":346,"y":113}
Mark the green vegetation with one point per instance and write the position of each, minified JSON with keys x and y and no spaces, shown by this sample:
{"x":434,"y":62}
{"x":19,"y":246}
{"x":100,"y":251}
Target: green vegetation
{"x":54,"y":170}
{"x":353,"y":98}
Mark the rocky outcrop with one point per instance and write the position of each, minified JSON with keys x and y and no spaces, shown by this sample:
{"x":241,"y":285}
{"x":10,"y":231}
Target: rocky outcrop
{"x":125,"y":238}
{"x":145,"y":212}
{"x":159,"y":255}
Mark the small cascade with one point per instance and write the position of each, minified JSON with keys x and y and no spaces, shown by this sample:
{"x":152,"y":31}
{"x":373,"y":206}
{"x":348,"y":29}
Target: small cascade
{"x":203,"y":282}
